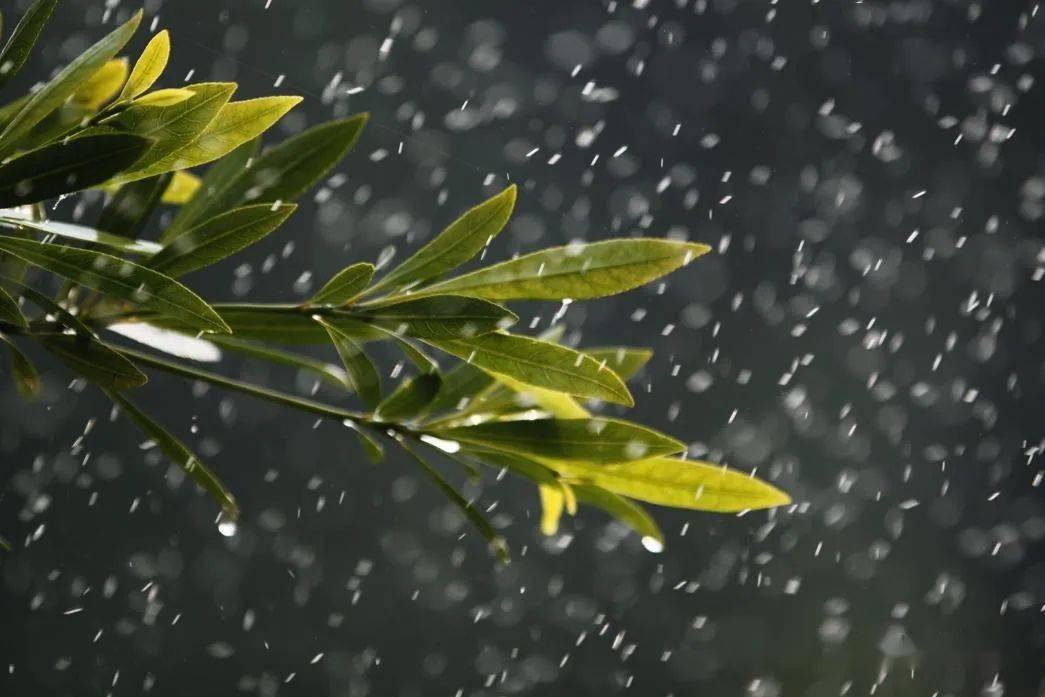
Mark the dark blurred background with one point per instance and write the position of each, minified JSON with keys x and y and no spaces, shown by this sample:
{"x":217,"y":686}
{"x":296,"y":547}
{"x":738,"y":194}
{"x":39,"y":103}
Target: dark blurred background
{"x":868,"y":335}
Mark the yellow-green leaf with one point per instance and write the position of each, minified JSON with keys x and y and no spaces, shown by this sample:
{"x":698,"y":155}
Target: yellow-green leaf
{"x":149,"y":66}
{"x":625,"y":362}
{"x":344,"y":286}
{"x":361,"y":370}
{"x":552,"y":505}
{"x":167,"y":97}
{"x":10,"y":313}
{"x":101,"y":87}
{"x":182,"y":188}
{"x":64,"y":84}
{"x":219,"y":237}
{"x":119,"y":278}
{"x":455,"y":245}
{"x":90,"y":358}
{"x":577,"y":271}
{"x":625,"y":511}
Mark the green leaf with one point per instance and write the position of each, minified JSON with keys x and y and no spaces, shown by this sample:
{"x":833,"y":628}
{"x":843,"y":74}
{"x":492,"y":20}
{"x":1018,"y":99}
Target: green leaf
{"x":54,"y":93}
{"x":129,"y":209}
{"x":539,"y":364}
{"x":552,"y":504}
{"x":460,"y":385}
{"x":594,"y":440}
{"x":455,"y":245}
{"x":576,"y":272}
{"x":219,"y":237}
{"x":149,"y":67}
{"x":18,"y":47}
{"x":172,"y":127}
{"x":179,"y":454}
{"x":330,"y":373}
{"x":167,"y":97}
{"x":632,"y":515}
{"x":236,"y":124}
{"x":680,"y":484}
{"x":67,"y":166}
{"x":409,"y":399}
{"x":344,"y":286}
{"x":81,"y":233}
{"x":119,"y":278}
{"x":5,"y":545}
{"x":279,"y":324}
{"x":375,"y":452}
{"x":625,"y":362}
{"x":10,"y":312}
{"x":493,"y":538}
{"x":97,"y":90}
{"x":27,"y":380}
{"x":88,"y":357}
{"x":443,"y":317}
{"x":281,"y":173}
{"x":360,"y":368}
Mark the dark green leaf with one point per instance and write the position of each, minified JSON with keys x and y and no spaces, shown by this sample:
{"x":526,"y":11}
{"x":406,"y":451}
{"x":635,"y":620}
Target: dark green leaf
{"x":344,"y":286}
{"x":67,"y":166}
{"x":95,"y":361}
{"x":130,"y":207}
{"x":577,"y":272}
{"x":10,"y":312}
{"x":539,"y":364}
{"x":179,"y":454}
{"x":593,"y":440}
{"x":219,"y":237}
{"x":119,"y":278}
{"x":27,"y":381}
{"x":18,"y":47}
{"x":54,"y":93}
{"x":281,"y":173}
{"x":442,"y":317}
{"x":149,"y":67}
{"x":455,"y":245}
{"x":5,"y":545}
{"x":361,"y":370}
{"x":460,"y":385}
{"x":330,"y":373}
{"x":375,"y":452}
{"x":493,"y":538}
{"x":632,"y":515}
{"x":409,"y":399}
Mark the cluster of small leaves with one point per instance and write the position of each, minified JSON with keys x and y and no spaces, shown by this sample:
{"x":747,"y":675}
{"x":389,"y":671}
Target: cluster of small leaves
{"x":510,"y":402}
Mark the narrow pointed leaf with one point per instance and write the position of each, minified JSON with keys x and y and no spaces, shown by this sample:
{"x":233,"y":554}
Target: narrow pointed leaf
{"x":68,"y":166}
{"x":218,"y":175}
{"x":493,"y":538}
{"x":443,"y":317}
{"x":625,"y":362}
{"x":149,"y":66}
{"x":130,"y":207}
{"x":95,"y":361}
{"x":24,"y":36}
{"x":167,"y":97}
{"x":552,"y":505}
{"x":10,"y":313}
{"x":460,"y":385}
{"x":540,"y":364}
{"x":594,"y":440}
{"x":280,"y":325}
{"x":577,"y":272}
{"x":119,"y":278}
{"x":64,"y":84}
{"x":219,"y":237}
{"x":679,"y":483}
{"x":179,"y":454}
{"x":625,"y":511}
{"x":332,"y":374}
{"x":27,"y":380}
{"x":409,"y":399}
{"x":455,"y":245}
{"x":281,"y":173}
{"x":5,"y":545}
{"x":101,"y":87}
{"x":344,"y":286}
{"x":375,"y":452}
{"x":360,"y":368}
{"x":81,"y":233}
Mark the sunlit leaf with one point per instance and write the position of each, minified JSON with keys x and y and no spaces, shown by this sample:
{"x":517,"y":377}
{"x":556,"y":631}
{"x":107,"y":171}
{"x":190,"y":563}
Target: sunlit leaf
{"x":217,"y":176}
{"x":179,"y":454}
{"x":149,"y":66}
{"x":219,"y":237}
{"x":593,"y":440}
{"x":101,"y":87}
{"x":182,"y":188}
{"x":119,"y":278}
{"x":624,"y":361}
{"x":169,"y":341}
{"x":455,"y":245}
{"x":67,"y":166}
{"x":552,"y":505}
{"x":539,"y":364}
{"x":26,"y":379}
{"x":167,"y":97}
{"x":577,"y":272}
{"x":680,"y":484}
{"x":81,"y":233}
{"x":64,"y":84}
{"x":627,"y":512}
{"x":409,"y":399}
{"x":493,"y":538}
{"x":361,"y":370}
{"x":281,"y":173}
{"x":10,"y":312}
{"x":129,"y":209}
{"x":344,"y":286}
{"x":24,"y":36}
{"x":442,"y":317}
